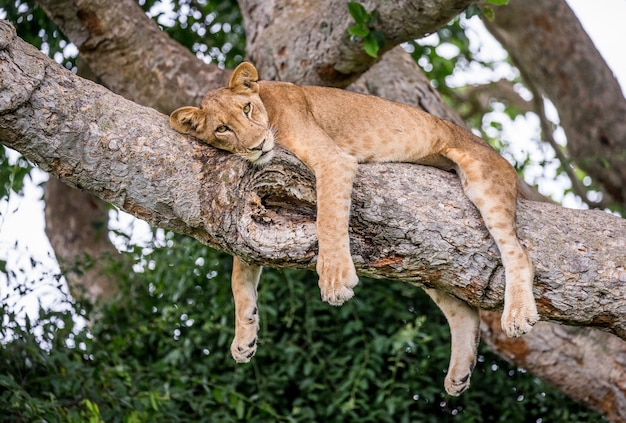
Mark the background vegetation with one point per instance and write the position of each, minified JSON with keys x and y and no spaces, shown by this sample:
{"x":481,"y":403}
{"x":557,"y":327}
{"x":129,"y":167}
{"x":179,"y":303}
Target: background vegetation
{"x":160,"y":351}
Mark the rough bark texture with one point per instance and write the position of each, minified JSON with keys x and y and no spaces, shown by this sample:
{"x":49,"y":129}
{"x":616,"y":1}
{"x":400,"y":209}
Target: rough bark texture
{"x":309,"y":42}
{"x":573,"y":75}
{"x":128,"y":155}
{"x":77,"y":228}
{"x":159,"y":74}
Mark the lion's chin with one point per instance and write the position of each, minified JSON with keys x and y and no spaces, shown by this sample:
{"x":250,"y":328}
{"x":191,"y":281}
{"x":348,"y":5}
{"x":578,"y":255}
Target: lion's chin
{"x":263,"y":158}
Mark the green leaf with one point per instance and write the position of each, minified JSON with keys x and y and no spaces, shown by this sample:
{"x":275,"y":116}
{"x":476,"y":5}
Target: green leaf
{"x":373,"y":18}
{"x":370,"y":45}
{"x":488,"y":13}
{"x":359,"y":31}
{"x":240,"y":409}
{"x":358,"y":12}
{"x":472,"y":10}
{"x":218,"y":395}
{"x":498,"y":2}
{"x":153,"y":400}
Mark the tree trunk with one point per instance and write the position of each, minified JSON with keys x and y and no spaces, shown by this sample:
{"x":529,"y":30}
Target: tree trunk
{"x":76,"y":225}
{"x":555,"y":55}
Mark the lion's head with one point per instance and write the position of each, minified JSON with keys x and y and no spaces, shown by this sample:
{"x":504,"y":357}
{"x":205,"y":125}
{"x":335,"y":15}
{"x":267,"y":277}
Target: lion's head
{"x":231,"y":118}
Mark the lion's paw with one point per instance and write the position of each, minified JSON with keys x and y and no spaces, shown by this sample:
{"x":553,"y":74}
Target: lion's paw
{"x":336,"y":288}
{"x":519,"y":317}
{"x":455,"y":386}
{"x":243,"y":350}
{"x":243,"y":347}
{"x":337,"y":295}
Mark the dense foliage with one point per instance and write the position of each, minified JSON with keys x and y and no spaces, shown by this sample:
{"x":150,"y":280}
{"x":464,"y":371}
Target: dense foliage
{"x":159,"y":351}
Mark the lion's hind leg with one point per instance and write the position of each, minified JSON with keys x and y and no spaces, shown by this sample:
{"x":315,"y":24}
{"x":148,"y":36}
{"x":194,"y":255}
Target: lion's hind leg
{"x":245,"y":279}
{"x":491,"y":183}
{"x":464,"y":323}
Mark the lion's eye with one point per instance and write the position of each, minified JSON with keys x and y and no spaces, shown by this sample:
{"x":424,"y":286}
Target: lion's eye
{"x":247,"y":108}
{"x":221,"y":129}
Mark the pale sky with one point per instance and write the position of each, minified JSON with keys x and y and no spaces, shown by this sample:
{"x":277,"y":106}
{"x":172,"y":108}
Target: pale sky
{"x":603,"y":20}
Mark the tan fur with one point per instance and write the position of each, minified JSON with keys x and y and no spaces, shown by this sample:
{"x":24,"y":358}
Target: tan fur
{"x":332,"y":131}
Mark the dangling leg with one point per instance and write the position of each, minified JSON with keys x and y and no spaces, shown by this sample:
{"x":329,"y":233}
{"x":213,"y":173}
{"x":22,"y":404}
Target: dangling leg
{"x":245,"y":279}
{"x":491,"y":183}
{"x":337,"y":275}
{"x":464,"y":321}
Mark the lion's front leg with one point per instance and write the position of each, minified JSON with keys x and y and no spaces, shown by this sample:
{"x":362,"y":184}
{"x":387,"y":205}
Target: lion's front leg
{"x":464,"y":321}
{"x":337,"y":275}
{"x":245,"y":279}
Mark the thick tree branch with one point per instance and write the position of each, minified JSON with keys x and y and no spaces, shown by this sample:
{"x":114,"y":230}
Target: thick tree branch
{"x":112,"y":40}
{"x":309,"y":42}
{"x":126,"y":154}
{"x":551,"y":49}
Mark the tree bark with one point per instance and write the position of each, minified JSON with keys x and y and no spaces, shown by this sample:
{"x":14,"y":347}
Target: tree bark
{"x":112,"y":40}
{"x":76,"y":225}
{"x":309,"y":42}
{"x":594,"y":359}
{"x":573,"y":75}
{"x":128,"y":155}
{"x":77,"y":228}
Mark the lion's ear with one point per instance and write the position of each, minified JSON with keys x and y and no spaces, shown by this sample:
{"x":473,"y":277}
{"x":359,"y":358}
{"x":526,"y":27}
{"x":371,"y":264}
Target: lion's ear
{"x":244,"y":79}
{"x":185,"y":120}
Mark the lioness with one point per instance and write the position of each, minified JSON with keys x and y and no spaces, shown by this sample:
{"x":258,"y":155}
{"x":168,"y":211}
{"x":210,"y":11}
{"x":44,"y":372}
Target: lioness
{"x":333,"y":130}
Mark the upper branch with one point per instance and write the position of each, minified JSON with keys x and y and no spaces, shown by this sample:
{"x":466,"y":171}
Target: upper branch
{"x":321,"y":51}
{"x":128,"y":155}
{"x":112,"y":40}
{"x":556,"y":56}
